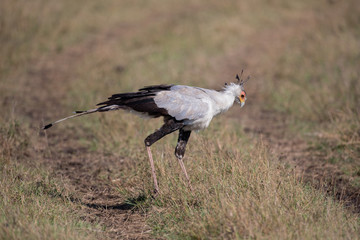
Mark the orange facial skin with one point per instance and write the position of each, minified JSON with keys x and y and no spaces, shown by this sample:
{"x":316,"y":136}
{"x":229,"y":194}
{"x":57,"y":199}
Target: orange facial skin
{"x":242,"y":96}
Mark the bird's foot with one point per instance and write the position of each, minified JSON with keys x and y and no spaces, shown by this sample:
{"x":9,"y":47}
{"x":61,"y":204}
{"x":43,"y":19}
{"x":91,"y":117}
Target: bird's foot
{"x":190,"y":187}
{"x":156,"y":193}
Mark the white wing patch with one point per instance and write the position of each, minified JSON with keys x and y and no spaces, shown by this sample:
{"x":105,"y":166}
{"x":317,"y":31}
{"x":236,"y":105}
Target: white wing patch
{"x":185,"y":103}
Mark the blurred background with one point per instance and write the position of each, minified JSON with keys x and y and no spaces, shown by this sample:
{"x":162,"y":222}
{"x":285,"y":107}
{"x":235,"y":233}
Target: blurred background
{"x":61,"y":56}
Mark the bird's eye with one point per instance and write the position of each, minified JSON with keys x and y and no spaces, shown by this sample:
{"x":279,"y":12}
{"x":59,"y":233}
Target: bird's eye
{"x":242,"y":95}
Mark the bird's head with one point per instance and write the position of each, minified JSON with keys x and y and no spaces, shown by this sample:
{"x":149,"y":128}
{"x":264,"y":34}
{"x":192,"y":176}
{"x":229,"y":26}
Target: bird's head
{"x":241,"y":98}
{"x":238,"y":89}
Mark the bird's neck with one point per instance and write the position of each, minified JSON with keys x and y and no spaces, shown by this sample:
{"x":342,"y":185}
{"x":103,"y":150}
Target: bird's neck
{"x":223,"y":101}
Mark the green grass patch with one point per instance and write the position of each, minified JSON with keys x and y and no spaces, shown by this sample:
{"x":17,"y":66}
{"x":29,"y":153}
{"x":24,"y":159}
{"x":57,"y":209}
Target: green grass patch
{"x":316,"y":85}
{"x":33,"y":205}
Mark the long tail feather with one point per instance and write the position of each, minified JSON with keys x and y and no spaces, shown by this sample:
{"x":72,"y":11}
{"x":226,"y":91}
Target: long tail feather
{"x":78,"y":114}
{"x":140,"y":102}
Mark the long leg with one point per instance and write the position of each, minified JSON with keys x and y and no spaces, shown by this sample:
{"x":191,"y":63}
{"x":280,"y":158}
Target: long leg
{"x":170,"y":126}
{"x":156,"y":186}
{"x":180,"y":151}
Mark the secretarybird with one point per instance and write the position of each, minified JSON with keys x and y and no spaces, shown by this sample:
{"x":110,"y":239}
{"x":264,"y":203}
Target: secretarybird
{"x":184,"y":108}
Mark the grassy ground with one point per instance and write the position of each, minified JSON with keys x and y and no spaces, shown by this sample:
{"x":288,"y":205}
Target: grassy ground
{"x":33,"y":204}
{"x":89,"y":178}
{"x":323,"y":95}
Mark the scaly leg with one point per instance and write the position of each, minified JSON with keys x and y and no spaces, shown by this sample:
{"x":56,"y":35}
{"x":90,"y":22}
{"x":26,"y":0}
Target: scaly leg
{"x":184,"y":171}
{"x":170,"y":126}
{"x":180,"y":152}
{"x":156,"y":190}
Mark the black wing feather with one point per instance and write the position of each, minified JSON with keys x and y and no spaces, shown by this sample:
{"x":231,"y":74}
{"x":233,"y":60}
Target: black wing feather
{"x":141,"y":101}
{"x":143,"y":92}
{"x":156,"y":88}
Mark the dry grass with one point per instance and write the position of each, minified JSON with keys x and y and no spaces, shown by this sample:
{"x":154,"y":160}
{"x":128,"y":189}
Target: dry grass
{"x":85,"y":51}
{"x":239,"y":192}
{"x":317,"y":85}
{"x":33,"y":204}
{"x":32,"y":207}
{"x":243,"y":194}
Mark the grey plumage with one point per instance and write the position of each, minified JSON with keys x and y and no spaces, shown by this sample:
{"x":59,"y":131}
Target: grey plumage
{"x":184,"y":102}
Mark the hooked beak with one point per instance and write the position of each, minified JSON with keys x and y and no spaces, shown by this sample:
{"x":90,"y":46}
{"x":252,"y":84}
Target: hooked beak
{"x":242,"y":101}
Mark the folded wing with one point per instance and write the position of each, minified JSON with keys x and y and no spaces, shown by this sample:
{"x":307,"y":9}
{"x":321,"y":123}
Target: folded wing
{"x":184,"y":102}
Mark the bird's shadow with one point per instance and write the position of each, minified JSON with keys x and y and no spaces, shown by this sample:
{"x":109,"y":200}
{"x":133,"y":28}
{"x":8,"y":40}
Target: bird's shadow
{"x":128,"y":204}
